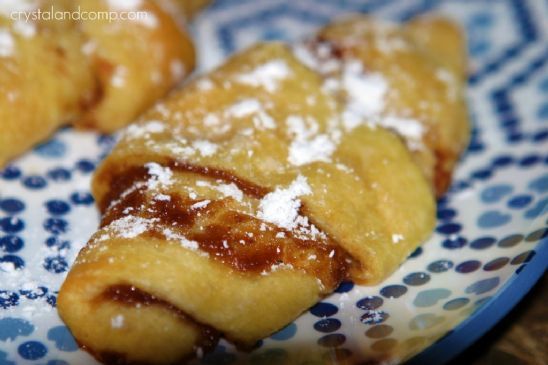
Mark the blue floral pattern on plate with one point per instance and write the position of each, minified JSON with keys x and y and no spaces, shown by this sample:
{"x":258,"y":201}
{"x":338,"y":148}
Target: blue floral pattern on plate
{"x":491,"y":224}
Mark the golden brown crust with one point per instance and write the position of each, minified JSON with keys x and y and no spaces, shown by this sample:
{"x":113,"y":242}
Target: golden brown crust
{"x":351,"y":207}
{"x":44,"y":80}
{"x":97,"y":74}
{"x":257,"y":189}
{"x":424,"y":65}
{"x":135,"y":64}
{"x":212,"y":226}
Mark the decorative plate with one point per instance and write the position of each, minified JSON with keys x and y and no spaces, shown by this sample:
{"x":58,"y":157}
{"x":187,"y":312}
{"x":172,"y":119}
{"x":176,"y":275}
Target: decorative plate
{"x":488,"y":249}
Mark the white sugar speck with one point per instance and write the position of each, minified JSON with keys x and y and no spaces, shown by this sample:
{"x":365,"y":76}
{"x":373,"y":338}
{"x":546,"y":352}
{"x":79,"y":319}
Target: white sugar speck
{"x":280,"y":235}
{"x":200,"y":204}
{"x":162,"y":197}
{"x":281,"y":206}
{"x":396,"y":237}
{"x":88,"y":48}
{"x":118,"y":78}
{"x":24,"y":28}
{"x":148,"y":19}
{"x":7,"y":43}
{"x":281,"y":266}
{"x":177,"y":69}
{"x":185,"y":242}
{"x":160,"y":176}
{"x":302,"y":152}
{"x":365,"y":92}
{"x":145,"y":129}
{"x":212,"y":120}
{"x":204,"y":84}
{"x":244,"y":108}
{"x":230,"y":190}
{"x":130,"y":226}
{"x":117,"y":321}
{"x":205,"y":148}
{"x":411,"y":129}
{"x":307,"y":147}
{"x":253,"y":107}
{"x":266,"y":75}
{"x":450,"y":82}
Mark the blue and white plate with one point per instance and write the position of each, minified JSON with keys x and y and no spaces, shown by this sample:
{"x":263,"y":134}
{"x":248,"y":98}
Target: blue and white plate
{"x":490,"y":243}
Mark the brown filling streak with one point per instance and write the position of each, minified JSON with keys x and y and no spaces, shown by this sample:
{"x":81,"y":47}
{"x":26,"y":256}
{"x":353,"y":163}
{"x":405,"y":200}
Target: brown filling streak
{"x":228,"y":236}
{"x":131,"y":296}
{"x":442,"y":173}
{"x":218,"y":231}
{"x":123,"y":180}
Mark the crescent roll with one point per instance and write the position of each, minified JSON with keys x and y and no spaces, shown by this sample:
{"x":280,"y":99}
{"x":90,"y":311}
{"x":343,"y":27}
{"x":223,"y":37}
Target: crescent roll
{"x":252,"y":190}
{"x":92,"y":66}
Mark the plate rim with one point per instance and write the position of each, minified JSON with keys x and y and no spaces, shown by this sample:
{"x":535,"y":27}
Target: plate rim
{"x":478,"y":324}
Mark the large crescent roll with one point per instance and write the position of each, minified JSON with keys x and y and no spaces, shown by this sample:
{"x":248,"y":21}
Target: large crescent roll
{"x":255,"y":188}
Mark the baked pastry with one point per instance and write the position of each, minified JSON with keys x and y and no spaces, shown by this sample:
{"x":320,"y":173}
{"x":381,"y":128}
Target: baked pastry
{"x":250,"y":191}
{"x":416,"y":75}
{"x":96,"y":73}
{"x":45,"y":79}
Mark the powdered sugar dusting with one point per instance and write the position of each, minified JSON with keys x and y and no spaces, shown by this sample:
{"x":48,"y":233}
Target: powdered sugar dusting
{"x":129,"y":226}
{"x":185,"y":242}
{"x":24,"y":28}
{"x":305,"y":151}
{"x":162,"y":197}
{"x":411,"y":129}
{"x":205,"y":148}
{"x":318,"y":59}
{"x":160,"y":176}
{"x":26,"y":282}
{"x":244,"y":108}
{"x":200,"y":204}
{"x":365,"y":92}
{"x":396,"y":237}
{"x":230,"y":190}
{"x":248,"y":107}
{"x":145,"y":129}
{"x":267,"y":75}
{"x":308,"y":146}
{"x":177,"y":69}
{"x":117,"y":321}
{"x":204,"y":84}
{"x":118,"y":78}
{"x":450,"y":82}
{"x":281,"y":207}
{"x":7,"y":43}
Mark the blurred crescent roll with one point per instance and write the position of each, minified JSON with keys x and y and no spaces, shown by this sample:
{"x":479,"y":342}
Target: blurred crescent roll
{"x":256,"y":189}
{"x":94,"y":63}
